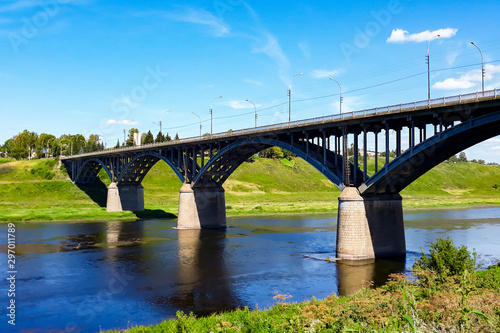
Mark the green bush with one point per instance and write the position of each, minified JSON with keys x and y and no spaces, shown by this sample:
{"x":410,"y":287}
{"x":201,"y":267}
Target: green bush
{"x":447,"y":260}
{"x":489,"y":278}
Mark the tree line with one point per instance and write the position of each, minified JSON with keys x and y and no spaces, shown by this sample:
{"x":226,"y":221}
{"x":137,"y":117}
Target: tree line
{"x":30,"y":145}
{"x":146,"y":138}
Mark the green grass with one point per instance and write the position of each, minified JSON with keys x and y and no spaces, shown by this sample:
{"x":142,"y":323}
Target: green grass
{"x":38,"y":190}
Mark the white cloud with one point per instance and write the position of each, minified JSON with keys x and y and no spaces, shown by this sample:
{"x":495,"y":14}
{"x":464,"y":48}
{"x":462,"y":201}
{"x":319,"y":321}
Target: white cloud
{"x":323,"y":73}
{"x":469,"y":79}
{"x":121,"y":122}
{"x":238,"y":104}
{"x":271,"y":47}
{"x":199,"y":16}
{"x":403,"y":36}
{"x":453,"y":84}
{"x":255,"y":82}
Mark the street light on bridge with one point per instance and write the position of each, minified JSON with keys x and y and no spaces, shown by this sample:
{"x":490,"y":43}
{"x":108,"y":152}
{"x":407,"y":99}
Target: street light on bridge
{"x":340,"y":99}
{"x":198,"y":118}
{"x":211,"y":114}
{"x":482,"y":67}
{"x":255,"y":108}
{"x":161,"y":120}
{"x":429,"y":70}
{"x":290,"y":98}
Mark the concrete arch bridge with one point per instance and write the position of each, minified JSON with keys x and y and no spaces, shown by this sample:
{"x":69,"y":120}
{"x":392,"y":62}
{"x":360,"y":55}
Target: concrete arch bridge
{"x":370,"y":217}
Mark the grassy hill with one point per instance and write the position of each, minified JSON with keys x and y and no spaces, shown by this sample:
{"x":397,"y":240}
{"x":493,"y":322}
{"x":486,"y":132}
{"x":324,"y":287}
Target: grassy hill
{"x":39,"y":191}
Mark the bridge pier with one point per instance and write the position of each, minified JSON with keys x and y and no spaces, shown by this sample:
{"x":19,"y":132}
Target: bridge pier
{"x":201,"y":207}
{"x":369,"y":226}
{"x":125,"y":197}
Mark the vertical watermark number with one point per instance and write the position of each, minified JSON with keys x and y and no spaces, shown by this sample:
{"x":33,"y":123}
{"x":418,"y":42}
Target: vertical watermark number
{"x":11,"y":273}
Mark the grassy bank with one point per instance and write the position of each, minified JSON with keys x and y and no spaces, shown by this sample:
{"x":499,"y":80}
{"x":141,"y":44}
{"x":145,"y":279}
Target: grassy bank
{"x":40,"y":191}
{"x":434,"y":301}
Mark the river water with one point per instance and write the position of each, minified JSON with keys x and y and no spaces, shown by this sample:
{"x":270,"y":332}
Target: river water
{"x":84,"y":277}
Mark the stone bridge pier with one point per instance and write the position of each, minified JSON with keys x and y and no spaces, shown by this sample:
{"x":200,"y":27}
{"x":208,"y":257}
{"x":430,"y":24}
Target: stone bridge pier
{"x":201,"y":207}
{"x":125,"y":197}
{"x":369,"y":226}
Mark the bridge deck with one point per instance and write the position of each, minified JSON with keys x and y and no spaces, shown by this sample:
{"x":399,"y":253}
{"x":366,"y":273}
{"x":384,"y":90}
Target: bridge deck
{"x":339,"y":119}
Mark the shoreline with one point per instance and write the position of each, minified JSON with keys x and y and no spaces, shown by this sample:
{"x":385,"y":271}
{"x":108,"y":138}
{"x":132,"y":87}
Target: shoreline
{"x":244,"y":214}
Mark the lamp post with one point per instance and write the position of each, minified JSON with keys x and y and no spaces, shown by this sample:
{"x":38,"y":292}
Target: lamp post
{"x":200,"y":120}
{"x":429,"y":70}
{"x":340,"y":99}
{"x":255,"y":108}
{"x":482,"y":67}
{"x":211,"y":114}
{"x":161,"y":120}
{"x":290,"y":98}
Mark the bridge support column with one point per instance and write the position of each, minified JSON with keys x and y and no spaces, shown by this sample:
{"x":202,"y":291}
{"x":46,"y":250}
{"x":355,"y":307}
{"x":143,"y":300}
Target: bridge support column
{"x":370,"y":226}
{"x":125,"y":197}
{"x":201,"y":207}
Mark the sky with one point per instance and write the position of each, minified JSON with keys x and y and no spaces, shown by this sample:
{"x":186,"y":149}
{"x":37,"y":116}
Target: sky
{"x":99,"y":67}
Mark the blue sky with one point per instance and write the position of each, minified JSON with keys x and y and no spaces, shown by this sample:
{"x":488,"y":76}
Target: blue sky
{"x":98,"y":67}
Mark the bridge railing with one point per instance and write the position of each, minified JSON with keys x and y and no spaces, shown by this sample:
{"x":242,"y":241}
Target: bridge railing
{"x":442,"y":101}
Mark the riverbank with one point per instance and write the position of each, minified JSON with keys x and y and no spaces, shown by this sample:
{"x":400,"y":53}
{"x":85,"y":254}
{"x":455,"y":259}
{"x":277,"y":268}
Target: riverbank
{"x":465,"y":303}
{"x":40,"y":191}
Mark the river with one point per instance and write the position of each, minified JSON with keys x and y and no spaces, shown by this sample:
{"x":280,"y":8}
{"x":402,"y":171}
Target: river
{"x":86,"y":277}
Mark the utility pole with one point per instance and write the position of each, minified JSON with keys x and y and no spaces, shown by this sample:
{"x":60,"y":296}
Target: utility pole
{"x":482,"y":67}
{"x":255,"y":110}
{"x":340,"y":99}
{"x":211,"y":114}
{"x":290,"y":98}
{"x":429,"y":70}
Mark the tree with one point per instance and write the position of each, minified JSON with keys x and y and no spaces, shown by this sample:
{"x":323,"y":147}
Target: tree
{"x":168,"y":138}
{"x":149,"y":138}
{"x":24,"y":145}
{"x":7,"y":147}
{"x":176,"y":136}
{"x":43,"y":142}
{"x":117,"y":144}
{"x":160,"y":137}
{"x":453,"y":159}
{"x":272,"y":152}
{"x":447,"y":260}
{"x":462,"y":157}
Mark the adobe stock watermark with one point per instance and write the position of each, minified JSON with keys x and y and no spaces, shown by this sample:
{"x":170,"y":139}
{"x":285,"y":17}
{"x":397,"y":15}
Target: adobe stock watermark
{"x":32,"y":25}
{"x":223,"y":6}
{"x":364,"y":35}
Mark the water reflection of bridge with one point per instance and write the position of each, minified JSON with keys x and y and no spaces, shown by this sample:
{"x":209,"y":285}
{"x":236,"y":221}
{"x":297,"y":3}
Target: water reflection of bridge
{"x":370,"y":218}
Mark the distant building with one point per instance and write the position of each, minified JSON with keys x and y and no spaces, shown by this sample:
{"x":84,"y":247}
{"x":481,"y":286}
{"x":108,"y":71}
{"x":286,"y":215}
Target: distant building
{"x":137,"y":139}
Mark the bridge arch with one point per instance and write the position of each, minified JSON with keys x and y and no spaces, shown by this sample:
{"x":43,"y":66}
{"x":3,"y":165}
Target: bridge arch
{"x":229,"y":158}
{"x":419,"y":159}
{"x":89,"y":170}
{"x":138,"y":167}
